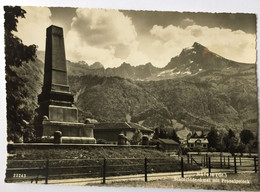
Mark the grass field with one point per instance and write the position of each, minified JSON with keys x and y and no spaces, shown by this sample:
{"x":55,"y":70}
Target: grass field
{"x":170,"y":183}
{"x":78,"y":152}
{"x":72,"y":162}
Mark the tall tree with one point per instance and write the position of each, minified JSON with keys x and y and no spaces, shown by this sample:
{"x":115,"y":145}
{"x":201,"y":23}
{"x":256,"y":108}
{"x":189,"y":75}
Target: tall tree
{"x":233,"y":145}
{"x":227,"y":140}
{"x":213,"y":138}
{"x":16,"y":53}
{"x":175,"y":137}
{"x":156,"y":133}
{"x":246,"y":136}
{"x":162,"y":134}
{"x":231,"y":133}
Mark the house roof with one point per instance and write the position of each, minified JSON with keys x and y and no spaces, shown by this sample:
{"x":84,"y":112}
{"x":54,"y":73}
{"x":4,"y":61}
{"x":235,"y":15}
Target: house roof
{"x":122,"y":126}
{"x":197,"y":134}
{"x":168,"y":141}
{"x":140,"y":127}
{"x":202,"y":140}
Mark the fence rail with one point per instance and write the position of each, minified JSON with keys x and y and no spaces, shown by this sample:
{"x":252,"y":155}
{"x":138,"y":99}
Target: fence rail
{"x":103,"y":169}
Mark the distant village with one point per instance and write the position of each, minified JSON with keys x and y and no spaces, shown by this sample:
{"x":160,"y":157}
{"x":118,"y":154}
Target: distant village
{"x":180,"y":143}
{"x":128,"y":133}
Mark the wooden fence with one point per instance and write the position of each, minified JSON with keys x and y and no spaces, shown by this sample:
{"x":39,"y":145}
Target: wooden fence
{"x":103,"y":169}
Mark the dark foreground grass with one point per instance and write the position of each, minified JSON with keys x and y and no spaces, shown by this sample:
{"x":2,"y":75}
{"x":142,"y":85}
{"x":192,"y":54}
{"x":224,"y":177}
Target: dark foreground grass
{"x":185,"y":184}
{"x":88,"y":161}
{"x":90,"y":152}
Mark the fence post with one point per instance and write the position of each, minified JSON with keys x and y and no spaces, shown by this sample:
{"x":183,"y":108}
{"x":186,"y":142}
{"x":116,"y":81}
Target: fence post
{"x":47,"y":171}
{"x":206,"y":160}
{"x":240,"y":160}
{"x":220,"y":161}
{"x":182,"y":173}
{"x":224,"y":162}
{"x":209,"y":167}
{"x":104,"y":171}
{"x":228,"y":162}
{"x":188,"y":158}
{"x":235,"y":164}
{"x":191,"y":159}
{"x":255,"y":164}
{"x":145,"y":169}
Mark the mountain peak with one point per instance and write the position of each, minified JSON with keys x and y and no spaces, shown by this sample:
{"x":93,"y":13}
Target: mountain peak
{"x":149,"y":64}
{"x":198,"y":58}
{"x":124,"y":64}
{"x":197,"y":45}
{"x":96,"y":65}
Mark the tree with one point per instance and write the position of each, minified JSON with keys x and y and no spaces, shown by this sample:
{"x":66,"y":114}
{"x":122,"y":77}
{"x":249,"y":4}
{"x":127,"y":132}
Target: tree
{"x":184,"y":150}
{"x":175,"y":137}
{"x":231,"y":133}
{"x":241,"y":148}
{"x":255,"y":142}
{"x":212,"y":149}
{"x":233,"y":145}
{"x":249,"y":147}
{"x":227,"y":139}
{"x":163,"y":134}
{"x":18,"y":113}
{"x":213,"y":138}
{"x":221,"y":147}
{"x":246,"y":135}
{"x":156,"y":133}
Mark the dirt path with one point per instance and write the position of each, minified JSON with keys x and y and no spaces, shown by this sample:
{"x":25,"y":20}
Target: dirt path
{"x":139,"y":177}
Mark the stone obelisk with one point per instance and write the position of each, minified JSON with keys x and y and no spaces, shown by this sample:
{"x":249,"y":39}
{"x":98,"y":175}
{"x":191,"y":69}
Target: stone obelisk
{"x":56,"y":101}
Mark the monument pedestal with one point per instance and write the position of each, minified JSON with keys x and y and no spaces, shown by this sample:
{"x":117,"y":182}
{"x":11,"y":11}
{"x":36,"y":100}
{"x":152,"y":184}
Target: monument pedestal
{"x":57,"y":112}
{"x":79,"y":133}
{"x":63,"y":113}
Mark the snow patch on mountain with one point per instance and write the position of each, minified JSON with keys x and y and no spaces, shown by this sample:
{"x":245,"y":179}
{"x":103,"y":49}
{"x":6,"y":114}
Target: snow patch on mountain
{"x":174,"y":72}
{"x":188,"y":48}
{"x":166,"y":72}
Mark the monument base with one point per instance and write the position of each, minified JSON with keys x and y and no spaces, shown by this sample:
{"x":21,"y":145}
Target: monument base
{"x":71,"y":140}
{"x":77,"y":133}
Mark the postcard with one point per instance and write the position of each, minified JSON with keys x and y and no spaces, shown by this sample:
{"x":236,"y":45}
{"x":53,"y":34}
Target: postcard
{"x":131,"y":98}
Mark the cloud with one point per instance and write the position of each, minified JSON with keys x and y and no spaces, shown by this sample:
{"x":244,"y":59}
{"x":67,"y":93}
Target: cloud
{"x":110,"y":37}
{"x":107,"y":36}
{"x":79,"y":50}
{"x":234,"y":45}
{"x":187,"y":22}
{"x":32,"y":29}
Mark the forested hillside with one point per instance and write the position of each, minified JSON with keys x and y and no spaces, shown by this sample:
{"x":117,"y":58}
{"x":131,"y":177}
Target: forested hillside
{"x":224,"y":97}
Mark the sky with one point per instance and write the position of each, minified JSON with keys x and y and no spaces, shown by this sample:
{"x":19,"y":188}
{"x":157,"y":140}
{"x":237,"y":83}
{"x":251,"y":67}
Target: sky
{"x":139,"y":37}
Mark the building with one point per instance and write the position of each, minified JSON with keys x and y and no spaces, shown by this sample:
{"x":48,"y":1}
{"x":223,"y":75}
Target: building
{"x":167,"y":145}
{"x":109,"y":132}
{"x":197,"y":141}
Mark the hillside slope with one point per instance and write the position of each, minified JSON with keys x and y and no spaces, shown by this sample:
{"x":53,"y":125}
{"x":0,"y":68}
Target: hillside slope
{"x":198,"y":102}
{"x":209,"y":91}
{"x":208,"y":99}
{"x":111,"y":98}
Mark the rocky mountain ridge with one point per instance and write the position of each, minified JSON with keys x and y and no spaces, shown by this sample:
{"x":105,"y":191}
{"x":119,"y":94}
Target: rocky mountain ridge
{"x":201,"y":90}
{"x":190,"y":61}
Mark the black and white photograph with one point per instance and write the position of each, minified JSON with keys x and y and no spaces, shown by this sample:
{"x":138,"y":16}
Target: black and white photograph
{"x":131,"y":98}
